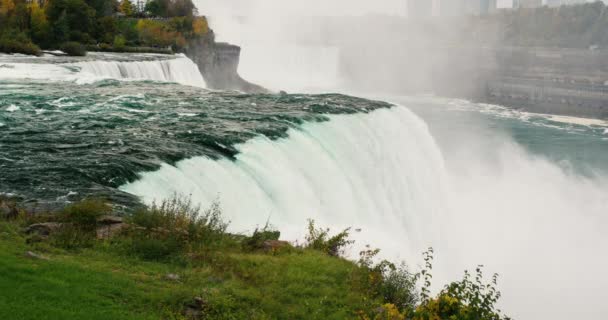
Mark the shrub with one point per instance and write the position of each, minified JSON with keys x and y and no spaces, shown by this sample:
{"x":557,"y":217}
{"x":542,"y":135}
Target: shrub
{"x":394,"y":285}
{"x":319,"y":239}
{"x":72,"y":48}
{"x":17,"y":42}
{"x":256,"y":241}
{"x":398,"y":287}
{"x":119,"y":42}
{"x":84,"y":214}
{"x":71,"y":237}
{"x":79,"y":224}
{"x":177,"y":227}
{"x":8,"y":208}
{"x":461,"y":300}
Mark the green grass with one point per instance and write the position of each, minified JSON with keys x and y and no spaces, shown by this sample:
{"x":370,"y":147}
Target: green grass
{"x":105,"y":283}
{"x":232,"y":276}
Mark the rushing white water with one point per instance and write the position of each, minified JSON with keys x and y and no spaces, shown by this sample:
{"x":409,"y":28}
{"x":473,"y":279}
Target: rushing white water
{"x":39,"y":71}
{"x":96,"y":67}
{"x":381,"y":172}
{"x":180,"y":70}
{"x":541,"y":228}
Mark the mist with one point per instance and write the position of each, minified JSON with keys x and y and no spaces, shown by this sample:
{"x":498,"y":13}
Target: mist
{"x":542,"y":227}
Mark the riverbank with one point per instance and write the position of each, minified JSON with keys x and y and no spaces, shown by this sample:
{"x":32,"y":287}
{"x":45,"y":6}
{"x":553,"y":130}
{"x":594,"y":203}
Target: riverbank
{"x":173,"y":261}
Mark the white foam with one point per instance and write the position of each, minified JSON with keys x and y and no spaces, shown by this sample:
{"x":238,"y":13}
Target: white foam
{"x":40,"y":71}
{"x":578,"y":121}
{"x":12,"y":108}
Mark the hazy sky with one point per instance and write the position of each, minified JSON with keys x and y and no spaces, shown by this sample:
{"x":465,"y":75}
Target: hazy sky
{"x":308,"y":7}
{"x":298,"y":7}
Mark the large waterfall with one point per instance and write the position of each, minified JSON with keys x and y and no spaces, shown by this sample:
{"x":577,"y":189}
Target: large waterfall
{"x":488,"y":202}
{"x":381,"y":172}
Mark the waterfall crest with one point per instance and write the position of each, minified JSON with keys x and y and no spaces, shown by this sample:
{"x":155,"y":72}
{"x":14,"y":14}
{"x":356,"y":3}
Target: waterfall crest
{"x":350,"y":171}
{"x":98,"y":66}
{"x":180,"y":70}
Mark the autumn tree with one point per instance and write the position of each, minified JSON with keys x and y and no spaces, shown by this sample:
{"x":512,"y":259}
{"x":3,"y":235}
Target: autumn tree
{"x":6,"y":7}
{"x":39,"y":24}
{"x":126,"y":7}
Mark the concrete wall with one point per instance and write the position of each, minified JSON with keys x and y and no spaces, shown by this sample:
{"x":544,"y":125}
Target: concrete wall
{"x":550,"y":80}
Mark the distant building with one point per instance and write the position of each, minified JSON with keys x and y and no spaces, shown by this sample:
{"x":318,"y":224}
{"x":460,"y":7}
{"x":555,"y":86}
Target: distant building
{"x":527,"y":3}
{"x":419,"y":8}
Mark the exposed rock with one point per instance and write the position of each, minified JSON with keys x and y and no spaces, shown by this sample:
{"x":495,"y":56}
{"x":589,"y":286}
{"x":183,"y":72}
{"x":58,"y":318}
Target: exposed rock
{"x":34,"y":255}
{"x":195,"y":309}
{"x":218,"y":63}
{"x":107,"y":219}
{"x":43,"y":229}
{"x":110,"y":226}
{"x":109,"y":231}
{"x":172,"y":277}
{"x":275,"y":245}
{"x":42,"y":207}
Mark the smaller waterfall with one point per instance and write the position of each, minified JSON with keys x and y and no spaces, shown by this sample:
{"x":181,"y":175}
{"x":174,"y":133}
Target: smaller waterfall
{"x":96,"y":66}
{"x":180,"y":70}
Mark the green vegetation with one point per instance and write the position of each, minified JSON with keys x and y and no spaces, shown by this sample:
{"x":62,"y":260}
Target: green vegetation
{"x":107,"y":25}
{"x":172,"y":261}
{"x":17,"y":42}
{"x":73,"y":48}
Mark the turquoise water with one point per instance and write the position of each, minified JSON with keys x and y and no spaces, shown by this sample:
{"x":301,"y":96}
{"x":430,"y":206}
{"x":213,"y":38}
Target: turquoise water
{"x":63,"y":141}
{"x":581,"y":149}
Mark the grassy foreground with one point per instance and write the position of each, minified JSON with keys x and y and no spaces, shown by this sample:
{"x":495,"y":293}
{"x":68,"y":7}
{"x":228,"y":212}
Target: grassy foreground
{"x":99,"y":284}
{"x":192,"y":269}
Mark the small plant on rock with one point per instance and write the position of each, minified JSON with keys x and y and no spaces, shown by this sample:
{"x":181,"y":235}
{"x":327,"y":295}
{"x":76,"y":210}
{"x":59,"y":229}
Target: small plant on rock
{"x":260,"y":237}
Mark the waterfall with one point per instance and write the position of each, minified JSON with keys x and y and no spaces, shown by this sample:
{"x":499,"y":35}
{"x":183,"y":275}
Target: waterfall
{"x":522,"y":216}
{"x":98,"y":66}
{"x":180,"y":70}
{"x":380,"y":171}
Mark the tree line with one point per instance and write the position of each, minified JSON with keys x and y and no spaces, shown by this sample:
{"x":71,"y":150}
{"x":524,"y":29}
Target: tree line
{"x":28,"y":25}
